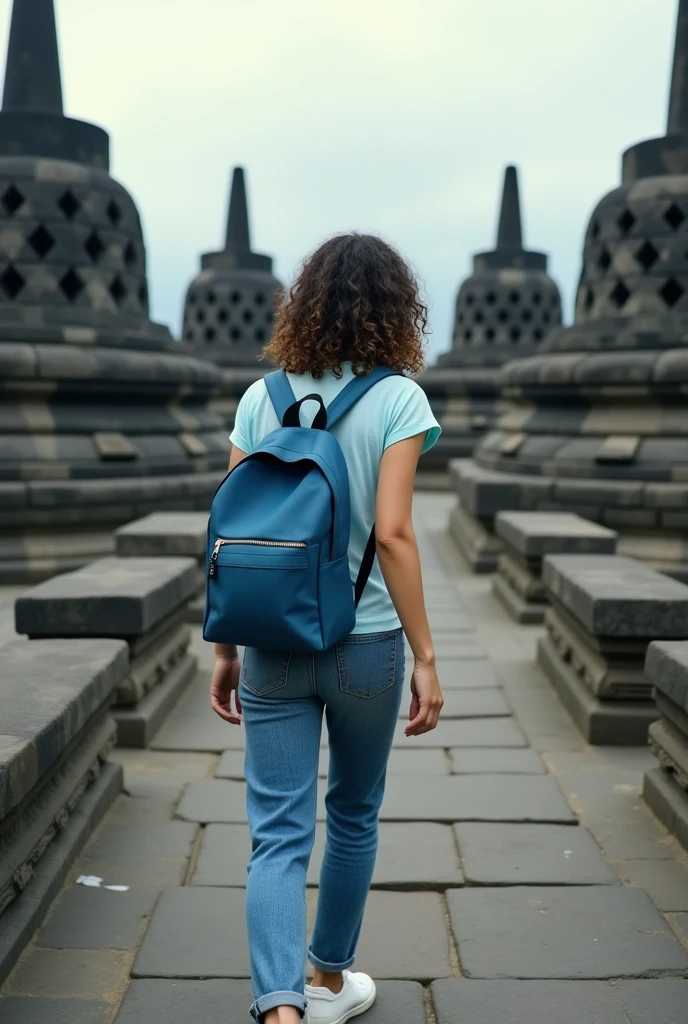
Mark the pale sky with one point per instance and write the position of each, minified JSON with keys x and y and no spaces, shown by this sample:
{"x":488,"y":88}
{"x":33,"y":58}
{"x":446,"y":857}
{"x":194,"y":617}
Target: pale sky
{"x":392,"y":116}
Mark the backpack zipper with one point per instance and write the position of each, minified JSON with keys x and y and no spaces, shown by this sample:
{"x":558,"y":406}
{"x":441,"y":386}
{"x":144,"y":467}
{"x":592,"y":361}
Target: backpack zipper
{"x":221,"y":541}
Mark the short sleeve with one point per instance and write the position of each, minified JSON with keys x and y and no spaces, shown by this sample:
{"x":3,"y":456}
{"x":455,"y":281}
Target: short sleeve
{"x":243,"y":432}
{"x":410,"y":414}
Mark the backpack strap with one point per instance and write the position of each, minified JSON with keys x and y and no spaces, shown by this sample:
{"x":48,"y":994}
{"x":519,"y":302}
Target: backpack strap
{"x":280,"y":392}
{"x":344,"y":401}
{"x":354,"y":390}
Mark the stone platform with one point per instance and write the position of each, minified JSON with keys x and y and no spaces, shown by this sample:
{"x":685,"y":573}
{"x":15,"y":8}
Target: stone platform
{"x":489,"y":890}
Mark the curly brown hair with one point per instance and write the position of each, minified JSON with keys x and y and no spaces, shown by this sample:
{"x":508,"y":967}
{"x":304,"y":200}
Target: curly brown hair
{"x":355,"y":300}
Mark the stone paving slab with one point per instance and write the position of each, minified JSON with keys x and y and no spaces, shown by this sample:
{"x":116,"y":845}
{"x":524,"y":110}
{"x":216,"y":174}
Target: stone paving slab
{"x":607,"y":796}
{"x":666,"y":881}
{"x":475,"y":798}
{"x":540,"y":932}
{"x":410,"y":856}
{"x":159,"y":1001}
{"x":655,"y":1002}
{"x":28,"y":1010}
{"x":531,"y":855}
{"x":162,"y":843}
{"x":199,"y":932}
{"x":476,"y":732}
{"x":196,"y":932}
{"x":162,"y":1001}
{"x":463,"y":1000}
{"x":470,"y":761}
{"x":402,"y":762}
{"x":523,"y":798}
{"x":404,"y":935}
{"x":56,"y":974}
{"x":88,"y":918}
{"x":484,"y":703}
{"x":463,"y":673}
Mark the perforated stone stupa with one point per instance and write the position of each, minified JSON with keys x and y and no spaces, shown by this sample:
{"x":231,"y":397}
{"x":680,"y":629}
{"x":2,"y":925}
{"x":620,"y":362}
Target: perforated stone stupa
{"x":597,"y":423}
{"x":102,"y":417}
{"x":503,"y":310}
{"x":230,"y":305}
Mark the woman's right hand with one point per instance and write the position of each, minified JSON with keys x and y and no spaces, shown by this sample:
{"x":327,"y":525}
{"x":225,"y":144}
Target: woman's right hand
{"x":426,"y":699}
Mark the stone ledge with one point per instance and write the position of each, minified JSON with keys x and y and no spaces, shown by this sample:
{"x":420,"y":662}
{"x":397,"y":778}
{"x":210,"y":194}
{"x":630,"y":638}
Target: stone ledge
{"x":610,"y":723}
{"x":618,"y":597}
{"x":110,"y":597}
{"x":39,"y":721}
{"x":164,"y":534}
{"x":536,"y":534}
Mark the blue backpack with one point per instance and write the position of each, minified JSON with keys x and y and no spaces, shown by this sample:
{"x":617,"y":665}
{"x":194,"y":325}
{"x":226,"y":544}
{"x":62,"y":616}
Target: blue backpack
{"x":278,"y":535}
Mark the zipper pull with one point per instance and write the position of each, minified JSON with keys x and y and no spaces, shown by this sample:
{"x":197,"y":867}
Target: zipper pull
{"x":213,"y":559}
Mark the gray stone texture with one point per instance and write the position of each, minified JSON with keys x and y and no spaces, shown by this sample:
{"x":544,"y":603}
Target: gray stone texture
{"x":488,"y":760}
{"x":443,"y":799}
{"x":476,"y":732}
{"x":530,"y":855}
{"x":610,"y":722}
{"x":654,"y":1002}
{"x":410,"y":856}
{"x":40,"y":722}
{"x":481,"y":703}
{"x":618,"y":597}
{"x":666,"y":666}
{"x":457,"y":1000}
{"x":32,"y":1010}
{"x":195,"y":932}
{"x":186,"y":1001}
{"x":110,"y":597}
{"x":105,"y":418}
{"x":668,"y":801}
{"x":164,"y":534}
{"x":89,"y":918}
{"x":536,"y":534}
{"x":200,"y":932}
{"x":572,"y":932}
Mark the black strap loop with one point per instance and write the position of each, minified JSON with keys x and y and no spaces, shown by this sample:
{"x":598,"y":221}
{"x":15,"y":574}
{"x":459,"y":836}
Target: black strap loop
{"x":366,"y":567}
{"x":291,"y":416}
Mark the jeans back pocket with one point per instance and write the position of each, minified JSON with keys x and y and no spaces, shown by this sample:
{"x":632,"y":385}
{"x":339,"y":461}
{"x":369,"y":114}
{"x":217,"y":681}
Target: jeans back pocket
{"x":367,"y":663}
{"x":263,"y":671}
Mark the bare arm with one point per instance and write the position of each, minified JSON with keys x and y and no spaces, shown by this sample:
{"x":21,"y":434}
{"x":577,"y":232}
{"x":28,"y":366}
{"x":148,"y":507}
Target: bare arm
{"x":225,"y":677}
{"x":397,"y":553}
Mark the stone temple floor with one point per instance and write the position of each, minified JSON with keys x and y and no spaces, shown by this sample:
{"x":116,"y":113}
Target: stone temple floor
{"x":520,"y":876}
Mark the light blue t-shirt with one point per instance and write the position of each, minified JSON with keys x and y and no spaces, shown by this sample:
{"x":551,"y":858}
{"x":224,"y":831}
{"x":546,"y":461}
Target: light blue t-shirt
{"x":395,"y":409}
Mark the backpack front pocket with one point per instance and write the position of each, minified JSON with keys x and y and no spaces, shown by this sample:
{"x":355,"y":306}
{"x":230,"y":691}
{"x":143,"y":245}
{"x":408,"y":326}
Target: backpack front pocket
{"x":261,"y":594}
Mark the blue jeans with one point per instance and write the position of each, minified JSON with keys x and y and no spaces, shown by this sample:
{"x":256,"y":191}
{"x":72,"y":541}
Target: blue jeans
{"x":359,"y":684}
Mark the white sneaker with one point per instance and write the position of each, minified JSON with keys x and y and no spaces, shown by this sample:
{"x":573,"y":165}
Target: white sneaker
{"x":324,"y":1007}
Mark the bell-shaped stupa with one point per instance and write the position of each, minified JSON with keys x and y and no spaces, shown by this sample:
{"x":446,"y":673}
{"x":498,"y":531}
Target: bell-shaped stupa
{"x":597,"y":422}
{"x":509,"y":303}
{"x":102,"y":417}
{"x":230,"y":304}
{"x":503,"y":311}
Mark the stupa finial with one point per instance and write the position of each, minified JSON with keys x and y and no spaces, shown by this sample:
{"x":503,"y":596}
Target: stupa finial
{"x":32,"y":73}
{"x":238,"y":234}
{"x":509,"y":235}
{"x":677,"y":121}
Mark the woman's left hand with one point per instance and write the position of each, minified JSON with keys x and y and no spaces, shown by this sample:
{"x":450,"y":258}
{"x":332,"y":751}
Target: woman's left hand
{"x":225,"y":681}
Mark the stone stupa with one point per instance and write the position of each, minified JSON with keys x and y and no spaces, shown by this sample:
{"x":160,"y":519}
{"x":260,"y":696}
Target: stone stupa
{"x":503,"y":311}
{"x":102,"y":418}
{"x":597,"y":422}
{"x":230,"y":306}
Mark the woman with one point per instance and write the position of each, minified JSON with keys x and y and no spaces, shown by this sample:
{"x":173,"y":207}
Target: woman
{"x":354,"y":306}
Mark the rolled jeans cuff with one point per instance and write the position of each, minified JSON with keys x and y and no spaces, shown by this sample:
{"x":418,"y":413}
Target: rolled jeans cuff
{"x":273,"y":999}
{"x":323,"y":965}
